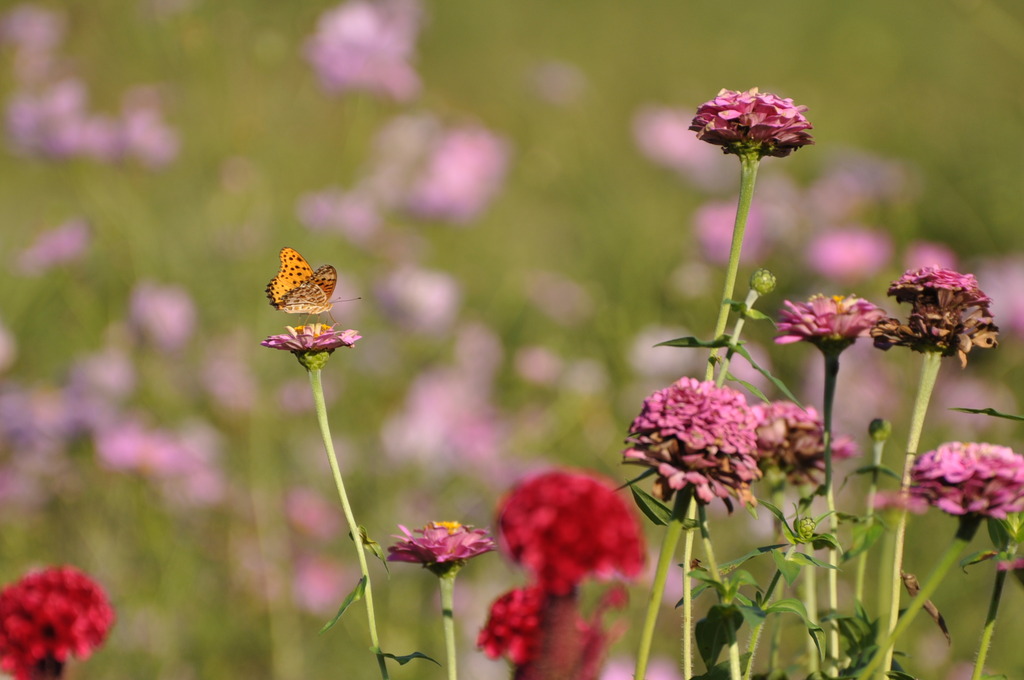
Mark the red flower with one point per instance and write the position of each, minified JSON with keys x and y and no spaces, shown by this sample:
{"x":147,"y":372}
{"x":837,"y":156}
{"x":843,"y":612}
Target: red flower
{"x":513,"y":628}
{"x":47,"y":616}
{"x":564,"y":526}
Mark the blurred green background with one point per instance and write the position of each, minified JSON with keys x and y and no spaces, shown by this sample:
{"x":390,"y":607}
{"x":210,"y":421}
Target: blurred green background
{"x":585,"y":244}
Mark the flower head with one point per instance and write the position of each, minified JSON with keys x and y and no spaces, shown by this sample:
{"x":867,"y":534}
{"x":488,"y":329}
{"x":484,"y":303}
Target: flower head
{"x":696,"y":434}
{"x":949,"y":314}
{"x":962,"y":479}
{"x":565,"y":526}
{"x":440,"y":546}
{"x":752,"y":122}
{"x":831,"y":323}
{"x":791,"y":439}
{"x":48,"y":616}
{"x":513,"y":627}
{"x":315,"y":337}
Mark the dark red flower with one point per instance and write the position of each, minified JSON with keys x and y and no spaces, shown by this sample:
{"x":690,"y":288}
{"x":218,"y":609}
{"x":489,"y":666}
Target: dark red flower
{"x":48,"y":616}
{"x":565,"y":526}
{"x":513,"y":627}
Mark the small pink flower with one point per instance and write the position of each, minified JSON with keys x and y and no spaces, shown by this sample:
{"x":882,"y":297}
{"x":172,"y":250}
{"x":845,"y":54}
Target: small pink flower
{"x":894,"y":500}
{"x":440,"y":546}
{"x":969,"y":478}
{"x":57,"y":246}
{"x":163,"y":314}
{"x":831,"y":323}
{"x":742,"y":122}
{"x":696,"y":434}
{"x":420,"y":300}
{"x":713,"y":225}
{"x":315,"y":337}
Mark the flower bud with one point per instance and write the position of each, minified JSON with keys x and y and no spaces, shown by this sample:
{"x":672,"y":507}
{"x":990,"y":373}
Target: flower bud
{"x":805,"y":528}
{"x":763,"y":281}
{"x":880,"y":429}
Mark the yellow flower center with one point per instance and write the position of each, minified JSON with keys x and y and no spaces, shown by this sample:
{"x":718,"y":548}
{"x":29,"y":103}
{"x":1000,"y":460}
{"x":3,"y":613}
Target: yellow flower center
{"x":452,"y":527}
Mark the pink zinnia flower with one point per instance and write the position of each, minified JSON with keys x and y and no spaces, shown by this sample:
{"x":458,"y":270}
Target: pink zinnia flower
{"x":831,"y":323}
{"x":315,"y":337}
{"x":850,"y":254}
{"x":752,"y":122}
{"x":969,"y":478}
{"x":48,"y":616}
{"x":696,"y":434}
{"x":949,"y":314}
{"x":791,"y":439}
{"x":440,"y":546}
{"x":567,"y":526}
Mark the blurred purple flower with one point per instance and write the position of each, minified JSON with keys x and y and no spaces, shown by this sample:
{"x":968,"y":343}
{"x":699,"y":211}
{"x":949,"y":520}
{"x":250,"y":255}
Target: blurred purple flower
{"x":854,"y":183}
{"x":227,"y":375}
{"x":713,"y":225}
{"x":928,"y":254}
{"x":367,"y":46}
{"x":664,"y":137}
{"x":849,"y":255}
{"x":51,"y":123}
{"x":658,"y":669}
{"x":35,"y":32}
{"x":8,"y":348}
{"x":312,"y":514}
{"x":164,"y":315}
{"x":560,"y":298}
{"x":894,"y":500}
{"x":462,"y":173}
{"x":420,"y":300}
{"x":1004,"y":278}
{"x":440,"y":543}
{"x":319,"y":584}
{"x":353,"y":214}
{"x":830,"y":323}
{"x":315,"y":337}
{"x":752,"y":121}
{"x":696,"y":434}
{"x":144,"y":135}
{"x":970,"y":478}
{"x":662,"y":362}
{"x":791,"y":439}
{"x":62,"y":244}
{"x":538,"y":365}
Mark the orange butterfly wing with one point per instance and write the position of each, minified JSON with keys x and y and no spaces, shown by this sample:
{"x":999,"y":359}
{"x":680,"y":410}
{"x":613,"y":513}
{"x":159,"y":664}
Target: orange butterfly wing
{"x":297,"y":289}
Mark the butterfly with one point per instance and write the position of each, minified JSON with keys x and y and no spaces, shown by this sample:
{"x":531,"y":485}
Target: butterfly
{"x":297,"y":289}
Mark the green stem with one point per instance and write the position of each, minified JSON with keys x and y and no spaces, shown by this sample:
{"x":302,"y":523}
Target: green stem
{"x":325,"y":431}
{"x":748,"y":177}
{"x":990,"y":619}
{"x":929,"y":372}
{"x":965,"y":532}
{"x":735,"y":669}
{"x":687,"y":620}
{"x":668,"y":549}
{"x":810,"y":590}
{"x":831,"y":376}
{"x":755,"y":634}
{"x":448,"y":620}
{"x":862,"y":561}
{"x":734,"y":339}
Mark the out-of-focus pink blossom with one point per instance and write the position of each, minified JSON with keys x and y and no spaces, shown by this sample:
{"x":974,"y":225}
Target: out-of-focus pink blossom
{"x":849,"y":255}
{"x":163,"y":314}
{"x":351,"y":213}
{"x":663,"y":362}
{"x":312,"y":514}
{"x":420,"y":300}
{"x":713,"y":226}
{"x":8,"y":348}
{"x":558,"y":82}
{"x":657,"y":669}
{"x":560,"y":298}
{"x":367,"y":46}
{"x":538,"y":365}
{"x":319,"y":585}
{"x":894,"y":500}
{"x":855,"y":183}
{"x":57,"y":246}
{"x":663,"y":135}
{"x":35,"y":32}
{"x":928,"y":254}
{"x":227,"y":374}
{"x":463,"y":172}
{"x":1004,"y":279}
{"x":752,"y":121}
{"x":145,"y":135}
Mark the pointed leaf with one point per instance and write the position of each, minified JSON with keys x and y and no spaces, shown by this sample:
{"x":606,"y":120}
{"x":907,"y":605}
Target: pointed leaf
{"x":748,"y":386}
{"x":726,"y":567}
{"x":690,"y":341}
{"x":402,"y":660}
{"x":373,"y":546}
{"x":788,"y":568}
{"x":880,"y":469}
{"x":356,"y":594}
{"x":864,"y":536}
{"x":787,"y":531}
{"x":654,"y":509}
{"x":977,"y":558}
{"x":716,"y":631}
{"x":775,"y":381}
{"x":752,"y":614}
{"x":988,"y":412}
{"x":807,"y":560}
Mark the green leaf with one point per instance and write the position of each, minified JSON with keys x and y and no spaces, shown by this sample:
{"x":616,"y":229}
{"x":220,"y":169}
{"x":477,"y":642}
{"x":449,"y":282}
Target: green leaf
{"x":864,"y":536}
{"x":978,"y":557}
{"x":716,"y":631}
{"x":787,"y":567}
{"x":787,"y":531}
{"x":807,"y":560}
{"x":752,"y":614}
{"x":726,"y":567}
{"x":988,"y":412}
{"x":690,"y":341}
{"x":824,"y":541}
{"x":999,"y":531}
{"x":402,"y":660}
{"x":775,"y":381}
{"x":373,"y":546}
{"x":794,"y":606}
{"x":880,"y":469}
{"x":357,"y":593}
{"x":749,"y":387}
{"x":654,"y":509}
